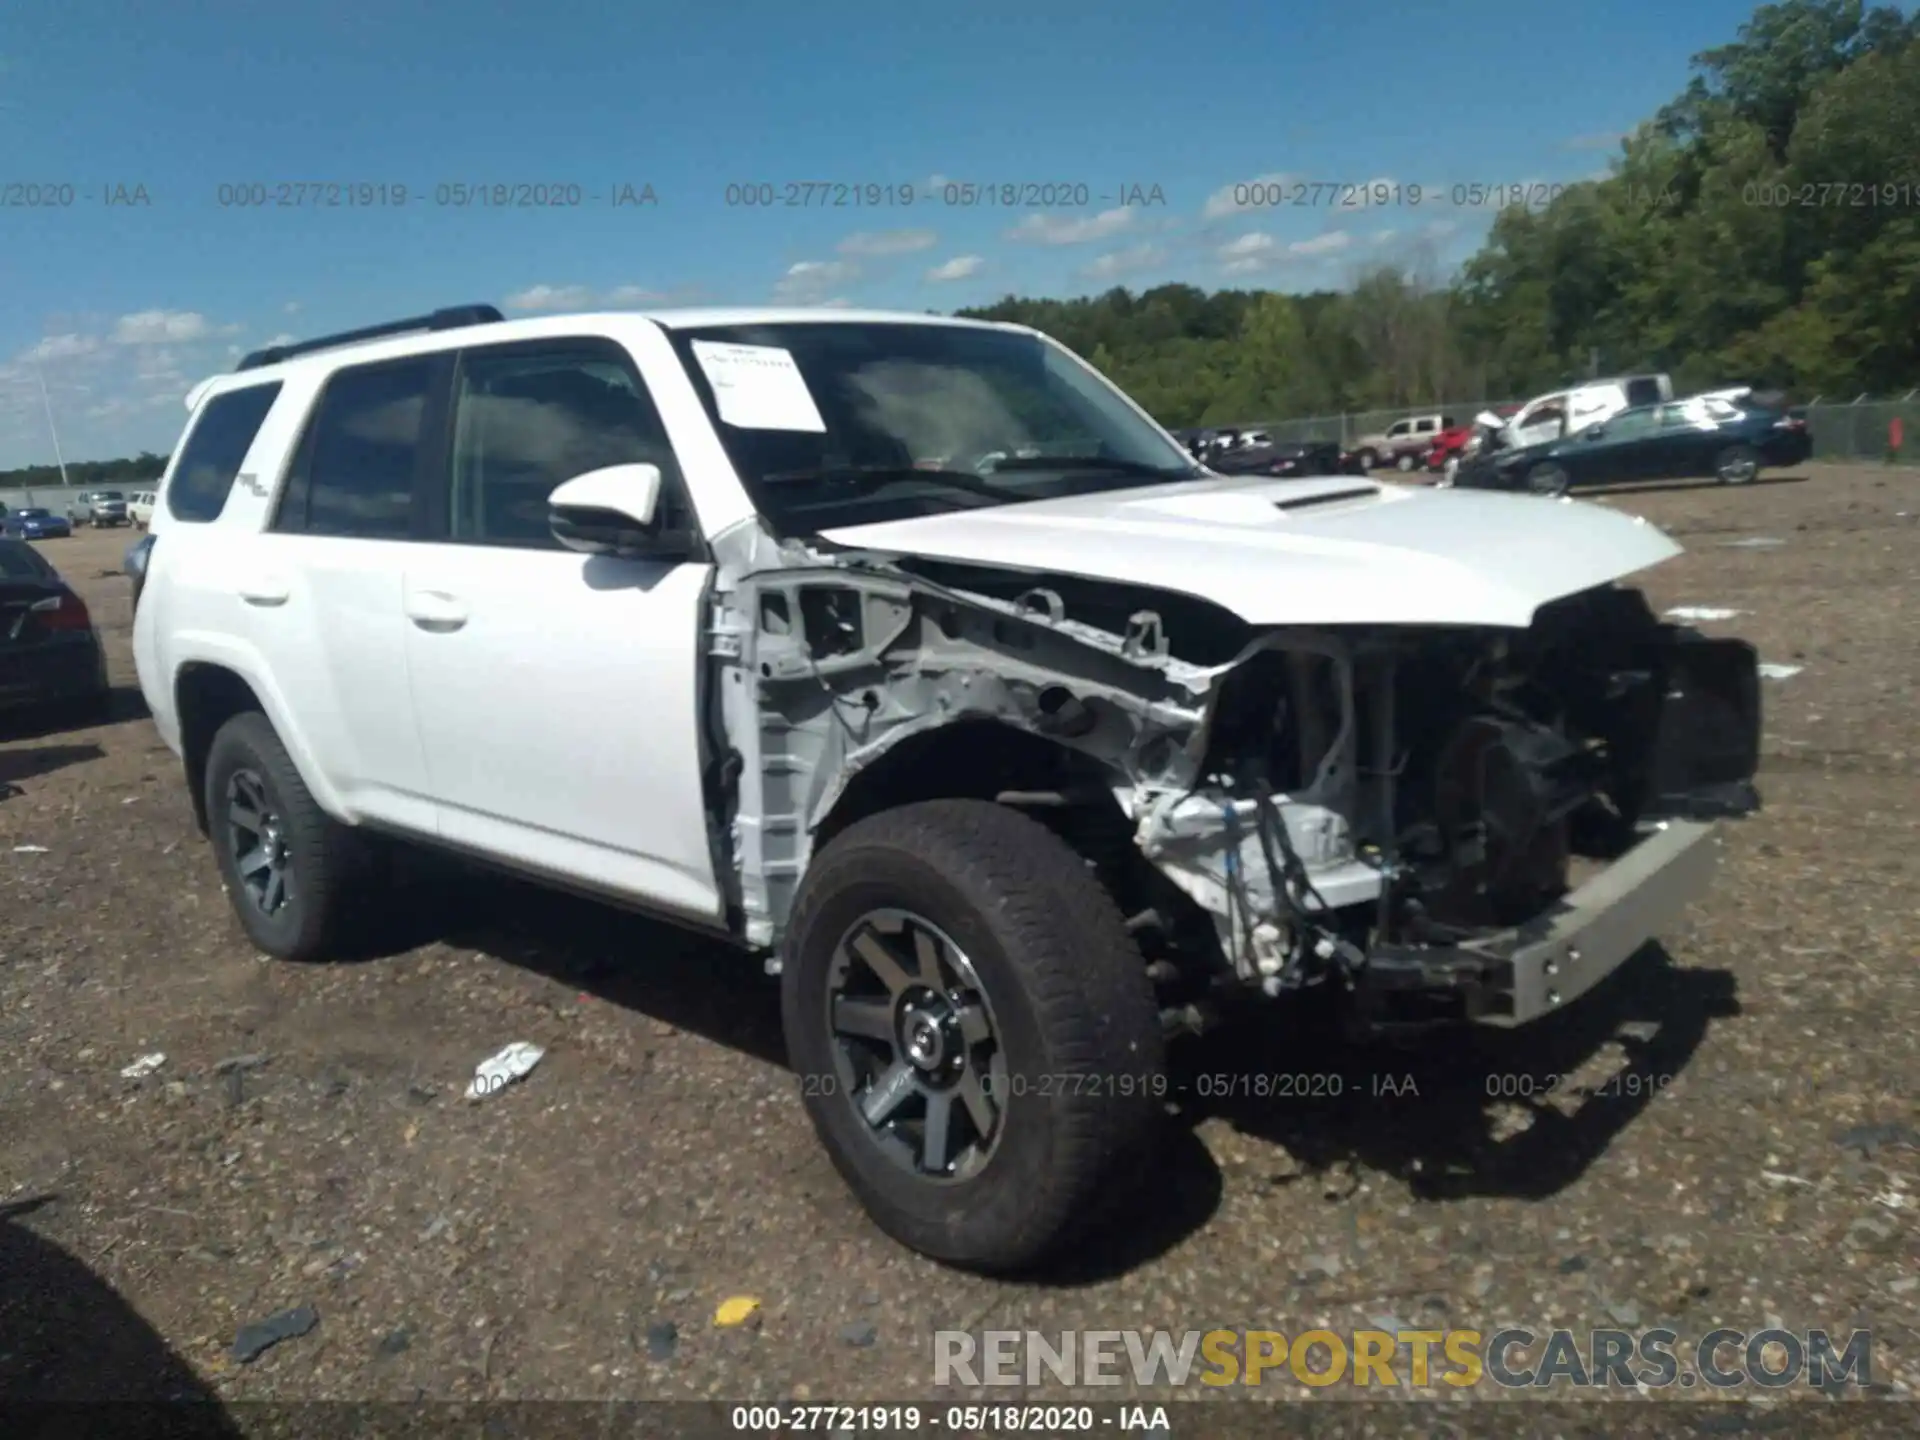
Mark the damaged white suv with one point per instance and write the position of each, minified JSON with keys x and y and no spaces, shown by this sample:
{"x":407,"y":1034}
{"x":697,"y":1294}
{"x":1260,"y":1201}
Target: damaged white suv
{"x":912,"y":655}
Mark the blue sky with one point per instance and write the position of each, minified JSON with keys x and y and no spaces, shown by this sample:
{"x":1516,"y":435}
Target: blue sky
{"x":147,"y":274}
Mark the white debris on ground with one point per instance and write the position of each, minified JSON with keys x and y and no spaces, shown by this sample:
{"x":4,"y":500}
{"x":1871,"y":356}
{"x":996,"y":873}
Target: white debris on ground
{"x":144,"y":1066}
{"x":497,"y":1072}
{"x":29,"y":849}
{"x":1774,"y":671}
{"x":1701,"y":612}
{"x":1754,"y":542}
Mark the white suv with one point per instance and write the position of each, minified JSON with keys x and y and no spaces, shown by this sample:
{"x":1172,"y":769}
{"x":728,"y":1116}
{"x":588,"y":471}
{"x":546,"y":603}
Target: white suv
{"x":912,"y":655}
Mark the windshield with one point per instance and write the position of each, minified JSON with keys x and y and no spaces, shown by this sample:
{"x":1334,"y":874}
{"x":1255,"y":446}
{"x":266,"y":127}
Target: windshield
{"x":31,"y":514}
{"x":833,"y":423}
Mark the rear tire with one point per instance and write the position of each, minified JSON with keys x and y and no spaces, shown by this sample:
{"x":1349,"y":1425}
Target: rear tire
{"x":1042,"y":1005}
{"x":290,"y":869}
{"x":1736,"y":465}
{"x":1403,"y":463}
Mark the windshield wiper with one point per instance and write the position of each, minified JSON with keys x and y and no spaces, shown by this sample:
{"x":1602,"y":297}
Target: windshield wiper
{"x":1093,"y":462}
{"x":964,"y":480}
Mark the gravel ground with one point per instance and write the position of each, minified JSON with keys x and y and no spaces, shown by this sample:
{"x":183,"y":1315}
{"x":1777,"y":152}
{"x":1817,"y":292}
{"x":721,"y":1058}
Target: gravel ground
{"x":1744,"y":1152}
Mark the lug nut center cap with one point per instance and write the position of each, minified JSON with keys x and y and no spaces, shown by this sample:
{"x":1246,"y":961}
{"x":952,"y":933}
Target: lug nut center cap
{"x":924,"y":1039}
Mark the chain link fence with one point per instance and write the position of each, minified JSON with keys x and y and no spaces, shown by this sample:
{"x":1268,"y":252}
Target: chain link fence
{"x":1864,"y":428}
{"x":1858,"y":429}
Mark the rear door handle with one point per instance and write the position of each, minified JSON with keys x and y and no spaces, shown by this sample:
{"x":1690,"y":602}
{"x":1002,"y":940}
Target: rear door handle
{"x":436,"y":611}
{"x":263,"y":590}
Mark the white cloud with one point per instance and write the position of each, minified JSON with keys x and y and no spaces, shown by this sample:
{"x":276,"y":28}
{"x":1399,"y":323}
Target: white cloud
{"x":550,"y":297}
{"x":1326,"y":244}
{"x":1256,"y":251}
{"x":580,"y":297}
{"x":281,"y":339}
{"x":888,"y":242}
{"x":160,"y":366}
{"x":1381,"y":237}
{"x":1246,"y":254}
{"x":809,"y":282}
{"x":154,"y":327}
{"x":1124,"y":262}
{"x":292,"y":307}
{"x":958,"y":268}
{"x":1260,"y":193}
{"x":62,"y":347}
{"x":1440,"y":229}
{"x":1051,"y":229}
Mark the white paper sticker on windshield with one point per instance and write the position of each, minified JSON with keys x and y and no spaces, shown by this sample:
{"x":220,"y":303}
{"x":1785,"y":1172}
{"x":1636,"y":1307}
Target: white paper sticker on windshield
{"x":758,"y":387}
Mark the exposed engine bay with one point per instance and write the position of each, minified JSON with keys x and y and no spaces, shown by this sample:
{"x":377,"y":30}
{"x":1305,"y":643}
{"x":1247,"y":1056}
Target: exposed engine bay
{"x":1275,"y":808}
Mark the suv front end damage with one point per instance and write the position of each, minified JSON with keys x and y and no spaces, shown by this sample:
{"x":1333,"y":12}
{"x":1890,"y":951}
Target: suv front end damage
{"x":1459,"y":823}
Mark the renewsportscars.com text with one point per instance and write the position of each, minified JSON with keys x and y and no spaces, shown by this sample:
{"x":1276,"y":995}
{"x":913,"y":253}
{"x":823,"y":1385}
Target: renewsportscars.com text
{"x":1511,"y":1358}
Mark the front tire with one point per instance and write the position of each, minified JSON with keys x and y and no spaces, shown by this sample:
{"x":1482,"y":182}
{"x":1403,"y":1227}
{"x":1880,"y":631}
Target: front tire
{"x":289,"y":867}
{"x":1369,"y":462}
{"x":977,"y":1041}
{"x":1403,"y":463}
{"x":1736,"y":465}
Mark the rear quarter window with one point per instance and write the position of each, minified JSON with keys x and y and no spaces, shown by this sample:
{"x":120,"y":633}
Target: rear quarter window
{"x":1645,"y":391}
{"x":215,"y":449}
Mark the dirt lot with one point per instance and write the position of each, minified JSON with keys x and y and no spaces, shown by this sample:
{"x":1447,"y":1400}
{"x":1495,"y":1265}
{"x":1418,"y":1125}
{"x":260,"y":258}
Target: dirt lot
{"x":571,"y":1237}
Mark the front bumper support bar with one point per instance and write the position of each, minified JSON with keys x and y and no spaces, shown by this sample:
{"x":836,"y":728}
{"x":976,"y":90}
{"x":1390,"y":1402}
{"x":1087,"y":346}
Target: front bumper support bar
{"x":1518,"y":975}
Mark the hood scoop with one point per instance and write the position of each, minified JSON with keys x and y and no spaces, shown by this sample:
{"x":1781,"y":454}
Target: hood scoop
{"x":1328,"y":497}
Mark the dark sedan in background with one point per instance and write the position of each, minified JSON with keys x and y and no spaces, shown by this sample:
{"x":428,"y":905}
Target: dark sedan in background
{"x":1703,"y":437}
{"x":1279,"y":457}
{"x":50,"y":654}
{"x":34,"y":523}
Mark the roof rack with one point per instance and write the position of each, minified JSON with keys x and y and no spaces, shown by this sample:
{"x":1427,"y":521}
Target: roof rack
{"x":451,"y":318}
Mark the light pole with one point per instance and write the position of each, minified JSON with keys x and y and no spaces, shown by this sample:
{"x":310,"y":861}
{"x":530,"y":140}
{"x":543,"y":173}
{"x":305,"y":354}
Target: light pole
{"x":46,"y":404}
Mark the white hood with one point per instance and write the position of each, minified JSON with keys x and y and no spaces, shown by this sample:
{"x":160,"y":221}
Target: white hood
{"x":1386,"y":556}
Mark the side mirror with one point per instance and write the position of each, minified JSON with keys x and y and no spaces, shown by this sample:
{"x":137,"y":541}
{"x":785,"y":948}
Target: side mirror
{"x":613,"y":511}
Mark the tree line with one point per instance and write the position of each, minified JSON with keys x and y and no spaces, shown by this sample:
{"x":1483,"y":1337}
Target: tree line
{"x":133,"y":472}
{"x":1762,"y":228}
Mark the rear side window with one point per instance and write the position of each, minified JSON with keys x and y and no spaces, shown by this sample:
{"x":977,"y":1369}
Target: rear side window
{"x":354,"y":475}
{"x":215,"y":451}
{"x":1644,"y":391}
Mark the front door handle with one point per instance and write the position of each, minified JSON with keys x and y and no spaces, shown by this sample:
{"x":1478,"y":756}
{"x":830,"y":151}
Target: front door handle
{"x":436,"y":611}
{"x":263,"y":590}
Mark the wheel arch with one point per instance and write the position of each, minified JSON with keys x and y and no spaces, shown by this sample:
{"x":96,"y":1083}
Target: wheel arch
{"x":973,"y":758}
{"x":208,"y":692}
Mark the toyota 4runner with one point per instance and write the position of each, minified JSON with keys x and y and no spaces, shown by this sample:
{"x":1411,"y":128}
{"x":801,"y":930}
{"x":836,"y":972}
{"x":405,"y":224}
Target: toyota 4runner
{"x":911,"y":655}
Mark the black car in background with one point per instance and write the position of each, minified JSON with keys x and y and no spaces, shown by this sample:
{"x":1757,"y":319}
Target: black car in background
{"x":1280,"y":457}
{"x":50,"y":654}
{"x":1703,"y":437}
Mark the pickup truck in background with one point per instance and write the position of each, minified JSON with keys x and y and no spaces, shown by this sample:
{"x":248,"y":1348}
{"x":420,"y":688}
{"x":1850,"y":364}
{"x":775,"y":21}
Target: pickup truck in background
{"x":102,"y":508}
